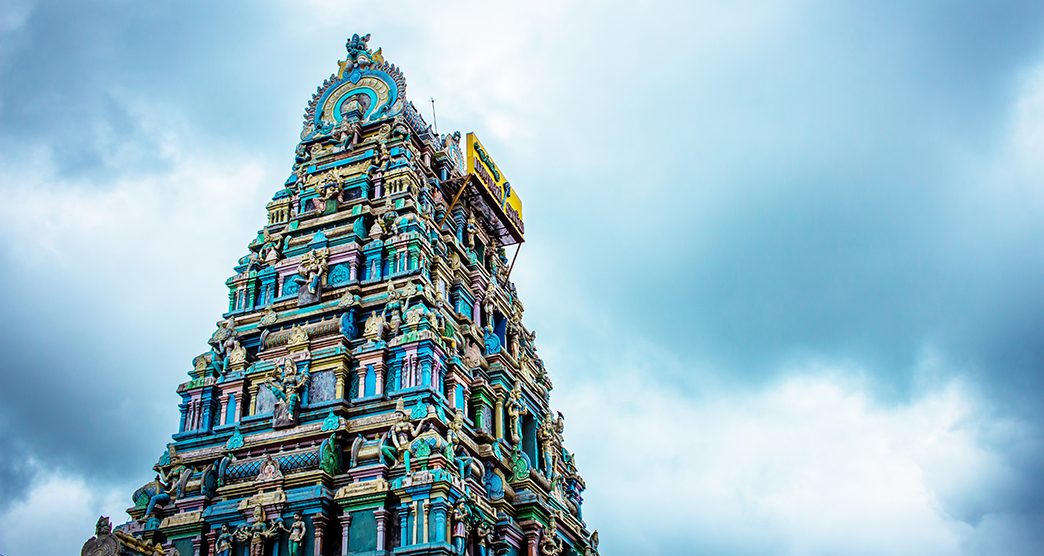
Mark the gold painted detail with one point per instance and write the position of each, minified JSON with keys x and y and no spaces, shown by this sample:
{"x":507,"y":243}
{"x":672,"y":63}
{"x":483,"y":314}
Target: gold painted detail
{"x":184,"y":518}
{"x":361,"y":488}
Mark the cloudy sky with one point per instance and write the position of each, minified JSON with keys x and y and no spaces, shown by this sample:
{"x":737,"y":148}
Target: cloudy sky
{"x":784,"y":259}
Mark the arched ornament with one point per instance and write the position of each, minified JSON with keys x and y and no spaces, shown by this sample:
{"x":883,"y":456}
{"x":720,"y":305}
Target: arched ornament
{"x":365,"y":85}
{"x":373,"y":92}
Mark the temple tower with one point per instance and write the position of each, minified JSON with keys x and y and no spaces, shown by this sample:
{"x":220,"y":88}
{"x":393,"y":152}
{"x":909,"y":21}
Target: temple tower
{"x":372,"y":388}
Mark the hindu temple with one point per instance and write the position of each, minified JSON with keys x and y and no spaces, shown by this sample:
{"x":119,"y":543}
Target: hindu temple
{"x":371,"y":388}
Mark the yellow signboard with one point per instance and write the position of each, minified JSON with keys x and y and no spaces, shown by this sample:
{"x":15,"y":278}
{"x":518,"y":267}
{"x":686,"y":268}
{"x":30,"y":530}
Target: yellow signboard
{"x":481,"y":165}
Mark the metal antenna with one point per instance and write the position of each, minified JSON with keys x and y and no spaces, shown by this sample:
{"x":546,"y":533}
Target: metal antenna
{"x":434,"y":119}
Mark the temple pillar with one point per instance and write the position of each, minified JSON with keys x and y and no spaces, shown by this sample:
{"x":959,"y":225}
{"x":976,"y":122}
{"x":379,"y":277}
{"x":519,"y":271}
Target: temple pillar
{"x":439,"y":507}
{"x":451,"y":391}
{"x":378,"y":373}
{"x":253,"y":398}
{"x":319,"y":522}
{"x":223,"y":410}
{"x":404,"y":525}
{"x":346,"y":523}
{"x":424,"y":524}
{"x":341,"y":374}
{"x":212,"y":542}
{"x":381,"y":517}
{"x":362,"y":381}
{"x":533,"y":542}
{"x":238,"y":396}
{"x":498,"y":419}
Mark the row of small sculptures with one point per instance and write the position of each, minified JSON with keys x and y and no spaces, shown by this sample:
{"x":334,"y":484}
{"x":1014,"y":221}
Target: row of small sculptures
{"x":259,"y":532}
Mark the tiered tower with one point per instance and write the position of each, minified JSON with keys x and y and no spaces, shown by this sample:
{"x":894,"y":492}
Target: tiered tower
{"x":372,"y":388}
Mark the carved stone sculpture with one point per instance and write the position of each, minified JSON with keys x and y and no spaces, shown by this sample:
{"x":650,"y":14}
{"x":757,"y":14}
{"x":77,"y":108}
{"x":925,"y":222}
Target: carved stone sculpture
{"x":395,"y":444}
{"x":516,"y":409}
{"x":287,"y":388}
{"x":103,"y":543}
{"x":310,"y":275}
{"x":257,"y":533}
{"x":223,"y":544}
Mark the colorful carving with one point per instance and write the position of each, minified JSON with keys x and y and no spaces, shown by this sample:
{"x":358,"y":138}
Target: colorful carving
{"x":372,"y":386}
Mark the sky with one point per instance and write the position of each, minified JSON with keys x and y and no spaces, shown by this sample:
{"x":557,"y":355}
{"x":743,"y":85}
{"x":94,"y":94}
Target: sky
{"x":784,"y":259}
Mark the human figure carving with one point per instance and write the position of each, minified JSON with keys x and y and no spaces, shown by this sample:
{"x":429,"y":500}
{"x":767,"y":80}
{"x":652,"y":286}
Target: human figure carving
{"x":287,"y":387}
{"x":257,"y":533}
{"x":516,"y":409}
{"x":395,"y":444}
{"x":461,"y":517}
{"x":223,"y":544}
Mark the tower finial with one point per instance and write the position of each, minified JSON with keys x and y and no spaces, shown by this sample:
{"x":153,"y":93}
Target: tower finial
{"x":359,"y":54}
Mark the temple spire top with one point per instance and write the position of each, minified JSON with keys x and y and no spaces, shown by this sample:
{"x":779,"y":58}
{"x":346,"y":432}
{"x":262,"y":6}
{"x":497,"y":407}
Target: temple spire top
{"x":359,"y":54}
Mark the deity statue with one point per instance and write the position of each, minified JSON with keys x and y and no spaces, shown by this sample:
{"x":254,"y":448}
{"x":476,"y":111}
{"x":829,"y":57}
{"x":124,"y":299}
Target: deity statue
{"x":472,"y":230}
{"x":310,"y":275}
{"x":222,"y":339}
{"x":550,"y":544}
{"x":169,"y":485}
{"x":296,"y":535}
{"x":270,"y":470}
{"x":209,"y":364}
{"x":395,"y":444}
{"x":287,"y":388}
{"x":301,"y":155}
{"x":103,"y":543}
{"x":298,"y":336}
{"x":271,"y":246}
{"x":488,"y":298}
{"x":592,"y":549}
{"x":453,"y":435}
{"x":549,"y":445}
{"x":348,"y":132}
{"x":484,"y":532}
{"x":461,"y":517}
{"x":223,"y":544}
{"x":516,"y":409}
{"x":236,"y":356}
{"x":375,"y":327}
{"x":257,"y":533}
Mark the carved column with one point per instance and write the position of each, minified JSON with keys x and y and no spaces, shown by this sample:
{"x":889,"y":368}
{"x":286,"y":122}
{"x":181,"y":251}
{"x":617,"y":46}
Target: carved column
{"x":404,"y":525}
{"x":451,"y":390}
{"x":253,"y":397}
{"x":378,"y":373}
{"x":498,"y":419}
{"x":427,"y":508}
{"x":381,"y":517}
{"x":196,"y":542}
{"x":346,"y":523}
{"x":341,"y":374}
{"x":223,"y":411}
{"x":319,"y":522}
{"x":439,"y":508}
{"x":533,"y":541}
{"x":183,"y":426}
{"x":362,"y":381}
{"x":238,"y":396}
{"x":212,"y":542}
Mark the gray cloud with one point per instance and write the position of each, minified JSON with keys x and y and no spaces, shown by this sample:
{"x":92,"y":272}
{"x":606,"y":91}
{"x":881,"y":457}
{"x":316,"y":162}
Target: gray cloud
{"x":744,"y":189}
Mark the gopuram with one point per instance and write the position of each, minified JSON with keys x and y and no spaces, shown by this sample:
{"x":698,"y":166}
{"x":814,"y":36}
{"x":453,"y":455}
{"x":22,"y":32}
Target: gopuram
{"x":372,"y":389}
